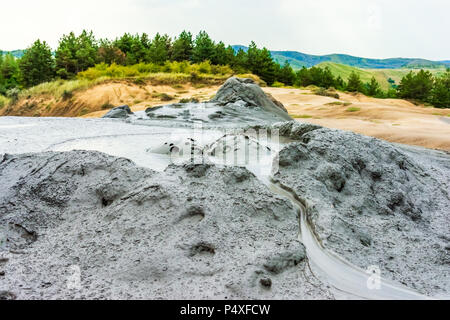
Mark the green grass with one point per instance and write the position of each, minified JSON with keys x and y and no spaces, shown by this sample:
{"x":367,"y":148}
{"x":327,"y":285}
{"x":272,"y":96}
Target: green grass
{"x":277,"y":84}
{"x":338,"y":103}
{"x":142,"y":70}
{"x":381,"y":75}
{"x":301,"y":116}
{"x":60,"y":88}
{"x":107,"y":106}
{"x":4,"y":101}
{"x":353,"y":109}
{"x":175,"y":74}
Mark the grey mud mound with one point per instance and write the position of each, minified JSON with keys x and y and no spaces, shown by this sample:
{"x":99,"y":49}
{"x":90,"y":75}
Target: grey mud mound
{"x":238,"y":102}
{"x":191,"y":232}
{"x":236,"y":89}
{"x":121,"y":112}
{"x":374,"y":203}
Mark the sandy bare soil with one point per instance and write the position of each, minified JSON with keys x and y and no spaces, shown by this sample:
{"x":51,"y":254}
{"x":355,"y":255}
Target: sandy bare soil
{"x":140,"y":98}
{"x":393,"y":120}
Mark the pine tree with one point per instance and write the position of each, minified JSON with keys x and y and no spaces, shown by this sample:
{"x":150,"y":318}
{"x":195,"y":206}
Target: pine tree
{"x":405,"y":87}
{"x":204,"y":48}
{"x":286,"y":75}
{"x":303,"y":77}
{"x":220,"y":54}
{"x":87,"y":51}
{"x":75,"y":54}
{"x":9,"y":73}
{"x":230,"y":56}
{"x":354,"y":83}
{"x":140,"y":47}
{"x":108,"y":53}
{"x":440,"y":94}
{"x":423,"y":84}
{"x":182,"y":47}
{"x":373,"y":88}
{"x":160,"y":49}
{"x":125,"y":44}
{"x":316,"y":75}
{"x":37,"y":64}
{"x":327,"y":80}
{"x":240,"y":62}
{"x":416,"y":86}
{"x":340,"y":84}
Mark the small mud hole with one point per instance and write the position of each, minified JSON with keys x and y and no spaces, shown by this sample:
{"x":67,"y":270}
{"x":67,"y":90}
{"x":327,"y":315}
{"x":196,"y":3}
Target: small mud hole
{"x":203,"y":249}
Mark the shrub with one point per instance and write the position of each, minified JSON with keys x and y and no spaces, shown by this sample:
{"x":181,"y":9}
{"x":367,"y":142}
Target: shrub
{"x":191,"y":100}
{"x":3,"y":101}
{"x":194,"y":77}
{"x":165,"y":97}
{"x":67,"y":95}
{"x":145,"y":69}
{"x":83,"y":111}
{"x":13,"y":95}
{"x":107,"y":106}
{"x":353,"y":109}
{"x":139,"y":81}
{"x":277,"y":84}
{"x":326,"y":93}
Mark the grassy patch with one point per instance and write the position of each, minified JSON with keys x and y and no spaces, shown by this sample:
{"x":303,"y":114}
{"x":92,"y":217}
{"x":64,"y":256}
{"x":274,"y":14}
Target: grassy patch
{"x":83,"y":111}
{"x":188,"y":100}
{"x":353,"y":109}
{"x":4,"y":101}
{"x":338,"y":103}
{"x":326,"y":93}
{"x":277,"y":84}
{"x":301,"y":116}
{"x":142,"y":70}
{"x":107,"y":106}
{"x":381,"y":75}
{"x":165,"y":97}
{"x":58,"y":88}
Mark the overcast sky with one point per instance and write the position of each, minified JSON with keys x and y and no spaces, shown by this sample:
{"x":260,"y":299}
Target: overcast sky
{"x":372,"y":28}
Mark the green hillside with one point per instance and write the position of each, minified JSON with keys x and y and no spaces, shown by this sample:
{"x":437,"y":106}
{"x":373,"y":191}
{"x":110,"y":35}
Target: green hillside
{"x":381,"y":75}
{"x":299,"y":59}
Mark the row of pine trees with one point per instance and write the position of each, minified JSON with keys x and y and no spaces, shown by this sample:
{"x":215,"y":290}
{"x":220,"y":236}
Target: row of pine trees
{"x":78,"y":53}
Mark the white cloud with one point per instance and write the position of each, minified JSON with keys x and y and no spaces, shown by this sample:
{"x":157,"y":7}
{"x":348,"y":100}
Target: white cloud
{"x":375,"y":28}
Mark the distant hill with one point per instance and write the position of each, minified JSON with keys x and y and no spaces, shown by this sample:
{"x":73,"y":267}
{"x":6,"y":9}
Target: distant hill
{"x":299,"y":60}
{"x":381,"y":75}
{"x":15,"y":53}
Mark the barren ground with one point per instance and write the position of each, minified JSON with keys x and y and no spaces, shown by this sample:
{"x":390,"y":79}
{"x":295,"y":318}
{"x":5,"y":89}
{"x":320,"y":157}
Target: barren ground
{"x":394,"y":120}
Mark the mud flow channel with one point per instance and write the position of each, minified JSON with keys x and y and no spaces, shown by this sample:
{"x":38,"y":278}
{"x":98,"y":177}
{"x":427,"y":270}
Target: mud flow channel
{"x":159,"y":149}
